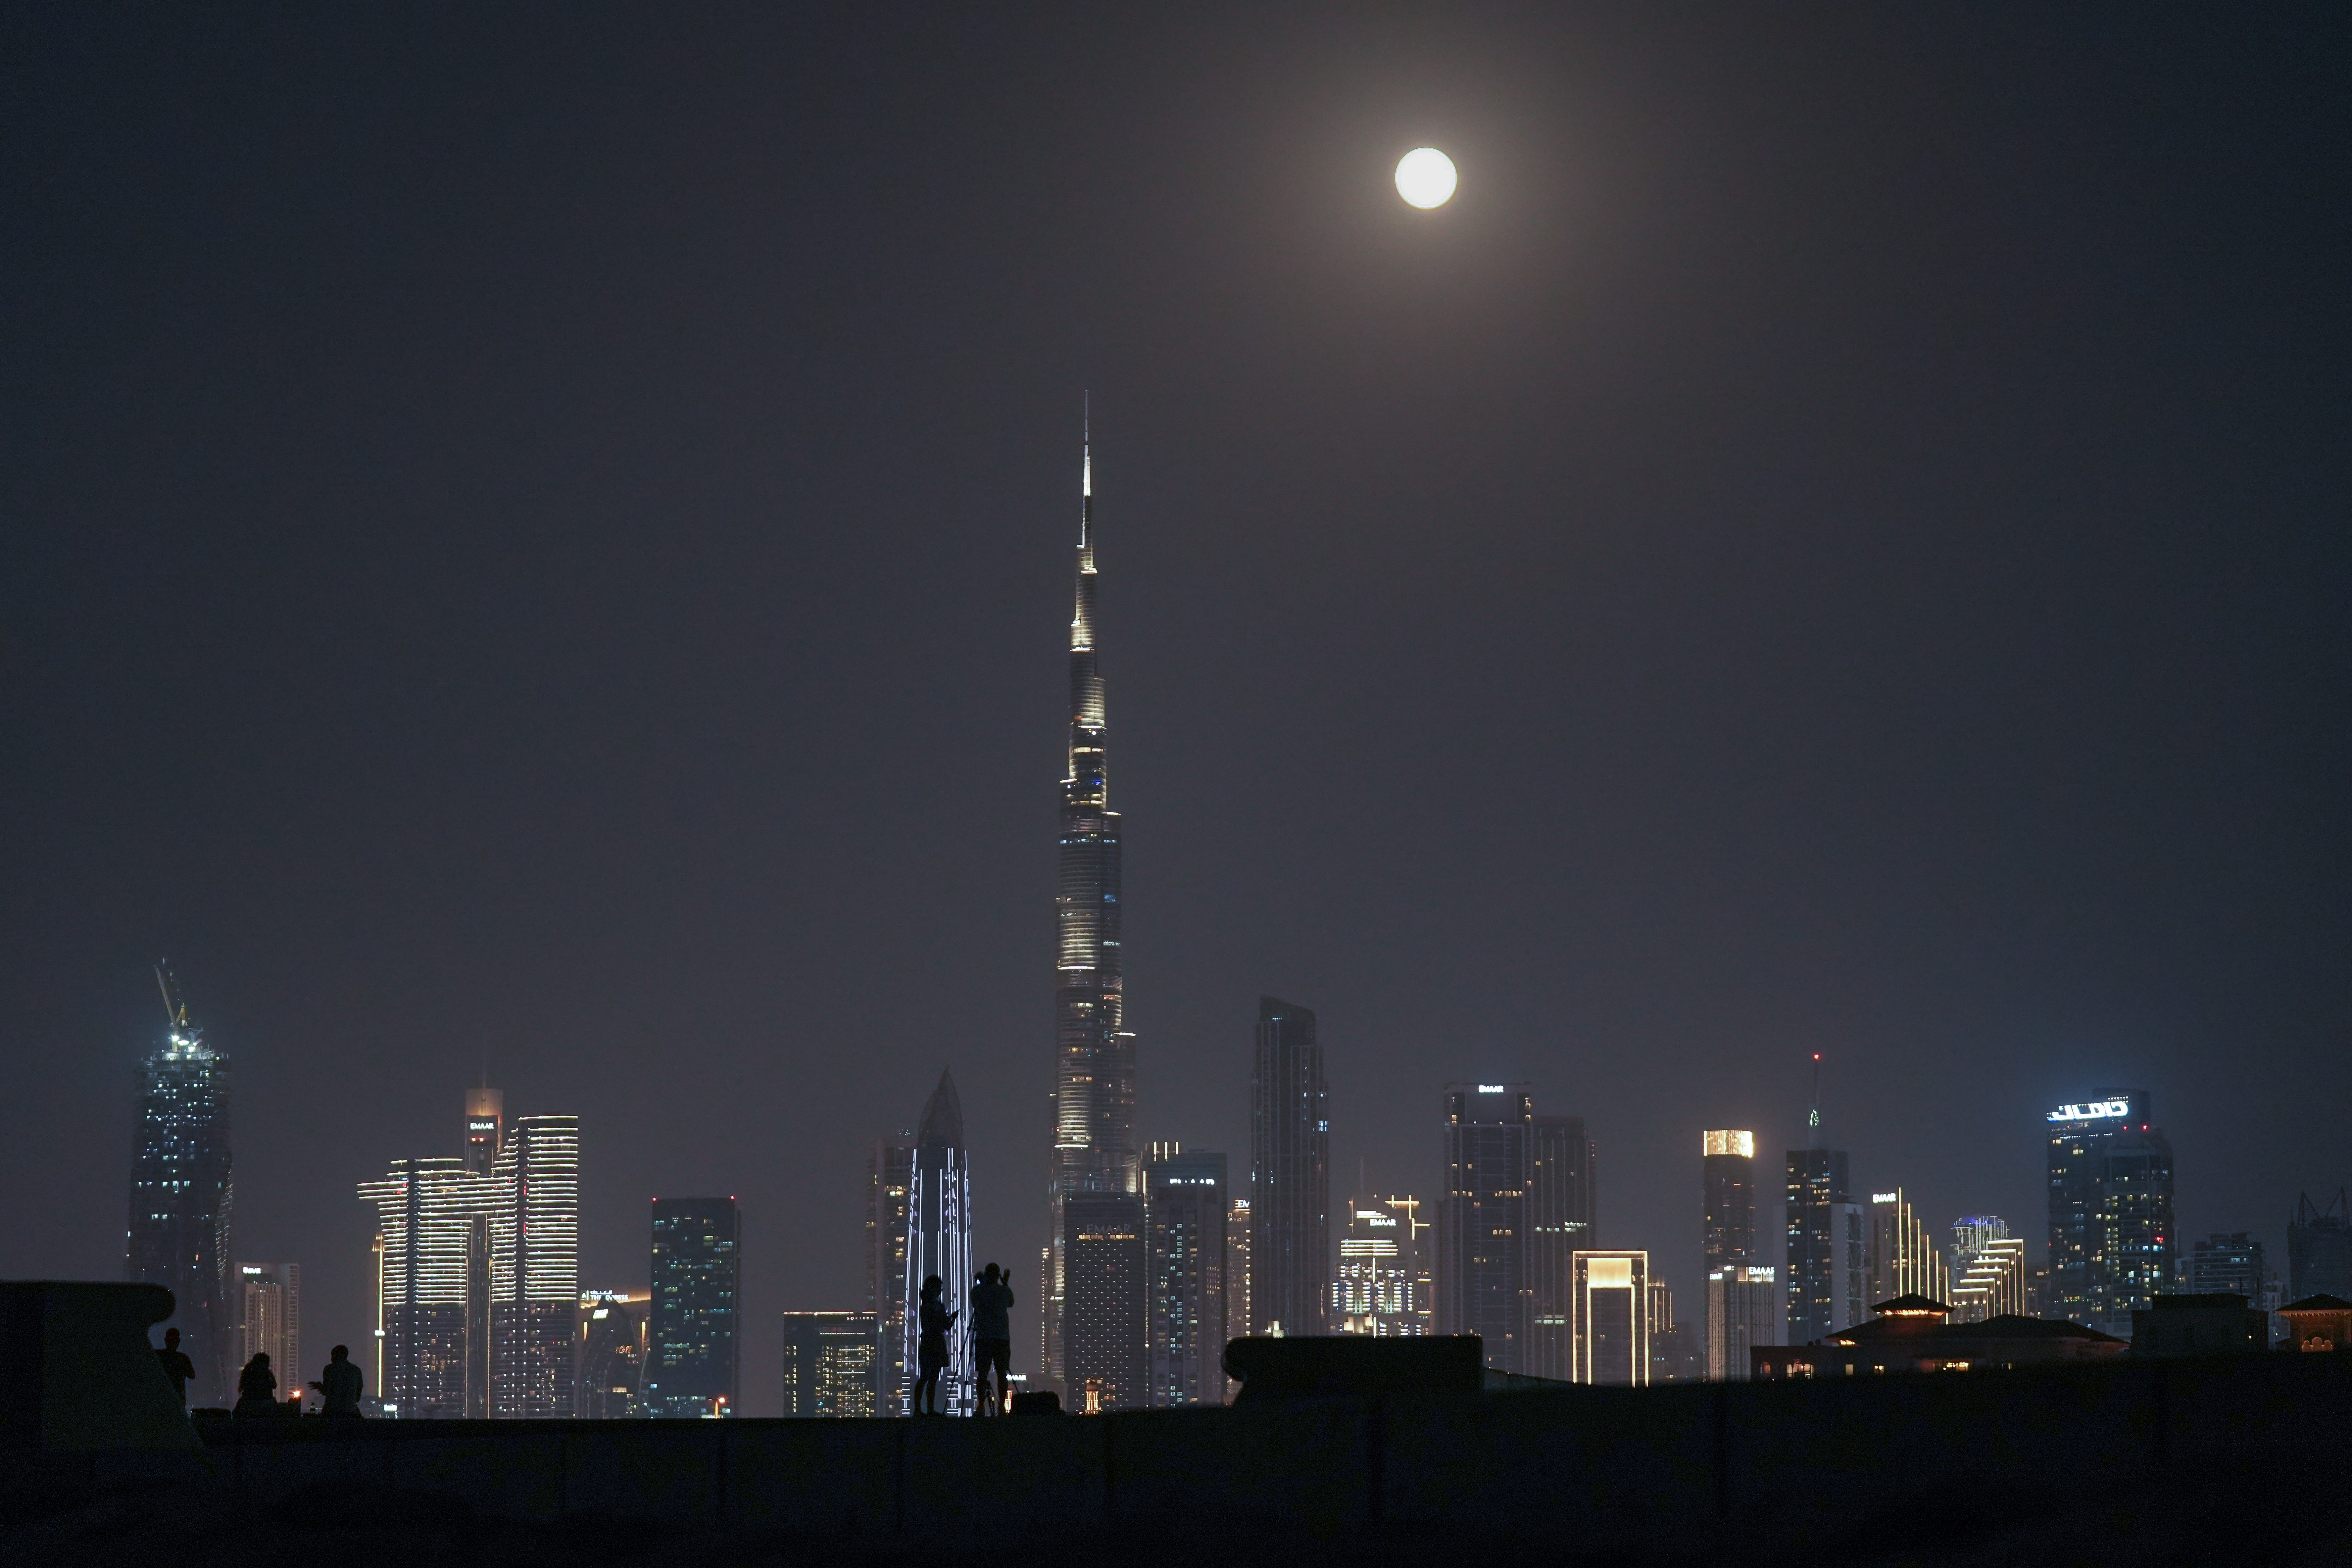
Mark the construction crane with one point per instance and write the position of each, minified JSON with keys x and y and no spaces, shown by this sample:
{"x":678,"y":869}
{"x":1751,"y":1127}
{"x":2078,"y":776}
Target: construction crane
{"x":175,"y":1011}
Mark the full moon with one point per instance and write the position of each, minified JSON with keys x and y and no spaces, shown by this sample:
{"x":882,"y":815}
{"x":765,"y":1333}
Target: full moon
{"x":1425,"y":177}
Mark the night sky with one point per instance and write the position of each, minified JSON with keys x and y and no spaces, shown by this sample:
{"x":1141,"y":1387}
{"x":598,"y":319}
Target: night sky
{"x":539,"y":543}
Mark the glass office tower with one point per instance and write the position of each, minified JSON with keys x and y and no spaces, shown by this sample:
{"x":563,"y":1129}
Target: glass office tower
{"x":535,"y":1268}
{"x":1482,"y":1231}
{"x":1184,"y":1228}
{"x":939,"y":1241}
{"x":1559,"y":1225}
{"x":1826,"y":1247}
{"x":181,"y":1197}
{"x":1094,"y":1054}
{"x":1290,"y":1174}
{"x":2111,"y":1233}
{"x":692,"y":1357}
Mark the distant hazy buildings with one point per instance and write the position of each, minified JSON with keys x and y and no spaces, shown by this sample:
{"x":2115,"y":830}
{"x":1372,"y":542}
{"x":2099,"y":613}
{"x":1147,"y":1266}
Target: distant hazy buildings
{"x":182,"y":1198}
{"x":1094,"y":1054}
{"x":1828,"y":1285}
{"x":2227,"y":1263}
{"x":1184,"y":1205}
{"x":1105,"y":1307}
{"x":432,"y":1214}
{"x":829,"y":1364}
{"x":612,"y":1327}
{"x":1560,"y":1218}
{"x":1385,"y":1286}
{"x":692,"y":1352}
{"x":1609,"y":1296}
{"x":2111,"y":1229}
{"x":1482,"y":1229}
{"x":2319,"y":1248}
{"x":1903,"y":1257}
{"x":1290,"y":1172}
{"x":270,"y":1318}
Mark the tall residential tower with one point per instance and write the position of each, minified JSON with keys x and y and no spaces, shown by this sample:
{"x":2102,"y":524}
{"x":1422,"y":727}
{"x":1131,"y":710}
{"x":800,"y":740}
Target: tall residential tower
{"x":1290,"y":1174}
{"x":1094,"y":1056}
{"x":181,"y":1198}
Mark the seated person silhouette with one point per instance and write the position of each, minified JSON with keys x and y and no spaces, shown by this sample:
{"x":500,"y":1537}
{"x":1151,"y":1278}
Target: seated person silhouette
{"x":339,"y":1385}
{"x":256,"y":1390}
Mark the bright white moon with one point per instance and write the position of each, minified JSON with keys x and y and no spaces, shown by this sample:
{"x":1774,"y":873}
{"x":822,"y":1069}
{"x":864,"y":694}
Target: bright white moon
{"x":1425,"y":177}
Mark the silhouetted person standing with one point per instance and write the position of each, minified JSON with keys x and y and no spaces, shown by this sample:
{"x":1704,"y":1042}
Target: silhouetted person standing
{"x":992,"y":1336}
{"x":340,"y":1384}
{"x":257,"y":1388}
{"x":931,"y":1351}
{"x":177,"y":1364}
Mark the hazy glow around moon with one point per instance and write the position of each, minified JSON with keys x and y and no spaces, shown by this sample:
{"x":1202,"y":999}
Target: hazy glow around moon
{"x":1425,"y":177}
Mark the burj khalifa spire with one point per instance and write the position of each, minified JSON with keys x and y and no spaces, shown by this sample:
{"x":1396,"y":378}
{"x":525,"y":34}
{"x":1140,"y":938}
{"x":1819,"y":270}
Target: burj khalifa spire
{"x":1094,"y":1055}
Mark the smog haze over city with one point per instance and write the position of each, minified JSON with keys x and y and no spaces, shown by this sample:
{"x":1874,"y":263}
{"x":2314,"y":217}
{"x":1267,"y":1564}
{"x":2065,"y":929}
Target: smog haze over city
{"x":537,"y":552}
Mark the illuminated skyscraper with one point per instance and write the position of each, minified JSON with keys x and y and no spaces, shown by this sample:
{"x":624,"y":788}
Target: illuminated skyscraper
{"x":2227,"y":1263}
{"x":1727,"y":1171}
{"x":1094,"y":1055}
{"x":486,"y":1134}
{"x":1728,"y":1242}
{"x":1237,"y":1274}
{"x":180,"y":1197}
{"x":939,"y":1241}
{"x":2111,"y":1233}
{"x":431,"y":1212}
{"x":427,"y":1209}
{"x":1903,"y":1257}
{"x":1482,"y":1231}
{"x":1987,"y":1276}
{"x":1609,"y":1310}
{"x":1184,"y":1249}
{"x":1385,"y":1286}
{"x":889,"y":1208}
{"x":1559,"y":1225}
{"x":1110,"y":1311}
{"x":1290,"y":1174}
{"x":829,"y":1364}
{"x":270,"y":1320}
{"x":535,"y":1268}
{"x":692,"y":1356}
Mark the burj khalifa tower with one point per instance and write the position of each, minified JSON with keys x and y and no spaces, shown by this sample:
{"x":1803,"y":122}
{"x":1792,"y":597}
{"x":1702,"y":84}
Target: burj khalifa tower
{"x":1094,"y":1055}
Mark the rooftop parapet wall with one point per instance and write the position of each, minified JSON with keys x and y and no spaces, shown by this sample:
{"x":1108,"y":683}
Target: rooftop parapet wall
{"x":1681,"y":1468}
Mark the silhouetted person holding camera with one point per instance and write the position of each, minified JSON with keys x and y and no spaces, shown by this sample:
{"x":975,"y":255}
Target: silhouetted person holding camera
{"x":931,"y":1350}
{"x":176,"y":1365}
{"x":257,"y":1389}
{"x":340,"y":1384}
{"x":992,"y":1336}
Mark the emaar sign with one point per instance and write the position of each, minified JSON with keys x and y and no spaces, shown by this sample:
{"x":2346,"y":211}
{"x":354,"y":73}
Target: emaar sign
{"x":2097,"y":1111}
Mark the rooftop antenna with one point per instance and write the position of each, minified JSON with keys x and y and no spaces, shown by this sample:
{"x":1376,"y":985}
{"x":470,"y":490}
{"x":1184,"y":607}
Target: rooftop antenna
{"x":1814,"y":1122}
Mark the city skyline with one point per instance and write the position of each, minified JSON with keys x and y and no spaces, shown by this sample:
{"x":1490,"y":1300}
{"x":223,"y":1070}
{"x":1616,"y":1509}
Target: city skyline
{"x":1824,"y":543}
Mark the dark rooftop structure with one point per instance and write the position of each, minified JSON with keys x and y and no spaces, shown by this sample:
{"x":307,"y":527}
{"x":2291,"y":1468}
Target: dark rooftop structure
{"x":1913,"y":1333}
